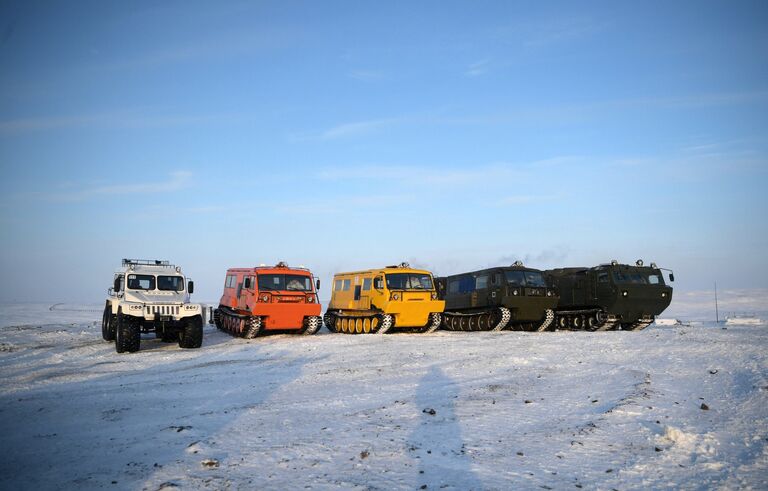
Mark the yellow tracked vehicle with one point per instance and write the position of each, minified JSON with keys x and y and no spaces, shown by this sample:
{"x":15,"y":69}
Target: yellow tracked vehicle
{"x":379,"y":300}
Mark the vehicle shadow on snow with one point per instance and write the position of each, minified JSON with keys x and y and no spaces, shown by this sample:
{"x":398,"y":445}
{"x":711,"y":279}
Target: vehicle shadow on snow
{"x":153,"y":418}
{"x":436,"y":443}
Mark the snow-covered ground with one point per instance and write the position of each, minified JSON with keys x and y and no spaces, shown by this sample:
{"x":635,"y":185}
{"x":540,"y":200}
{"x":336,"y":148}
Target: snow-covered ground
{"x":562,"y":410}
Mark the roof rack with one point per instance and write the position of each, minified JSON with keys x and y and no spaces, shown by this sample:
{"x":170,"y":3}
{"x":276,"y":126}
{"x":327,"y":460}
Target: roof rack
{"x":280,"y":265}
{"x":145,"y":262}
{"x":402,"y":265}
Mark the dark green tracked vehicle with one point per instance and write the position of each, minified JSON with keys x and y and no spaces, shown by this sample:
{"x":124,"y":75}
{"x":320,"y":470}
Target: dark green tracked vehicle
{"x":512,"y":297}
{"x":610,"y":296}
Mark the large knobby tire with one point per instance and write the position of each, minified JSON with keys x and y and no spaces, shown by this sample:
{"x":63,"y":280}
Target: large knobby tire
{"x":312,"y":324}
{"x":107,"y":326}
{"x":127,"y":334}
{"x":330,"y":321}
{"x":191,"y":335}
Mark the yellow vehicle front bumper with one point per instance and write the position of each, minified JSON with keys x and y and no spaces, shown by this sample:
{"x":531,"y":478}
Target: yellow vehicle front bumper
{"x":413,"y":313}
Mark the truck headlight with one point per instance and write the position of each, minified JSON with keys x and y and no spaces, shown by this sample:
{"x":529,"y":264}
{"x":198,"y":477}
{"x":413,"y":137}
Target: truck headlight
{"x":549,"y":293}
{"x":663,"y":294}
{"x":395,"y":296}
{"x":625,"y":293}
{"x":515,"y":292}
{"x":434,"y":295}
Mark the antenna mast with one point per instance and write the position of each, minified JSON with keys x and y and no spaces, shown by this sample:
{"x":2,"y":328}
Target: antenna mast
{"x":717,"y":313}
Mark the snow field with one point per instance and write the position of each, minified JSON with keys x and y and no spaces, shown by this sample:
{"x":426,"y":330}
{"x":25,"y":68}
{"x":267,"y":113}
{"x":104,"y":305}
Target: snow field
{"x":562,"y":410}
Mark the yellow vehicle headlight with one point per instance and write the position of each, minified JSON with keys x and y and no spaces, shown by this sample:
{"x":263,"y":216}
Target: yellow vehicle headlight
{"x":434,"y":295}
{"x":395,"y":296}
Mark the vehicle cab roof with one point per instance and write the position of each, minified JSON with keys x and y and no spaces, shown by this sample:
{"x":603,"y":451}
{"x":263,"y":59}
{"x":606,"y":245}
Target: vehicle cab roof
{"x":149,"y":266}
{"x":280,"y":268}
{"x":401,"y":268}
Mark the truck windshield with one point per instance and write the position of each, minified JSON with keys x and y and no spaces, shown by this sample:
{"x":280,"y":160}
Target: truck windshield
{"x":525,"y":278}
{"x":409,"y":281}
{"x":292,"y":282}
{"x":638,"y":278}
{"x":631,"y":278}
{"x":141,"y":282}
{"x":170,"y":283}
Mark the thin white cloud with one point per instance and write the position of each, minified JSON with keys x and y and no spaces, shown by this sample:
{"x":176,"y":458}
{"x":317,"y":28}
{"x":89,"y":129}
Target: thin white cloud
{"x":418,"y":175}
{"x":234,"y":43}
{"x":478,"y":68}
{"x":556,"y":31}
{"x":356,"y":128}
{"x":174,"y":182}
{"x":117,"y":119}
{"x":365,"y":75}
{"x":350,"y":204}
{"x":525,"y":199}
{"x":421,"y":174}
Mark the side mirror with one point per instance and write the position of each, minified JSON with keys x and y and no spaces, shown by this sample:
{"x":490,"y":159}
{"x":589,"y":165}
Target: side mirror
{"x":317,"y":284}
{"x":116,"y":286}
{"x":671,"y":276}
{"x":191,"y":286}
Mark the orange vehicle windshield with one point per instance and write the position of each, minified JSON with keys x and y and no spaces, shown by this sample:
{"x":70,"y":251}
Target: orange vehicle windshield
{"x":289,"y":282}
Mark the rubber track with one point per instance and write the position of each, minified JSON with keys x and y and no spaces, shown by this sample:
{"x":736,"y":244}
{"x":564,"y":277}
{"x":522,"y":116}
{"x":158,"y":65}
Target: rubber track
{"x":548,"y":318}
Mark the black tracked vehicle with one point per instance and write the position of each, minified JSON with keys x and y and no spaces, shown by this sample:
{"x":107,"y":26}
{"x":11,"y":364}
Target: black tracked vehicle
{"x":610,"y":296}
{"x":513,"y":297}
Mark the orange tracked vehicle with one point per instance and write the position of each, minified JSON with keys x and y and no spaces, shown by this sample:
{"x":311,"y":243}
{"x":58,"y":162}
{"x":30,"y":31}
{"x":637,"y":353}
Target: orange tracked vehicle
{"x":275,"y":298}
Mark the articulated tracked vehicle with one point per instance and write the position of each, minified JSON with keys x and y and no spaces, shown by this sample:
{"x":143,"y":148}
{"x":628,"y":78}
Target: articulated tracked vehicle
{"x":275,"y":298}
{"x":513,"y":297}
{"x":610,"y":296}
{"x":150,"y":296}
{"x":379,"y":300}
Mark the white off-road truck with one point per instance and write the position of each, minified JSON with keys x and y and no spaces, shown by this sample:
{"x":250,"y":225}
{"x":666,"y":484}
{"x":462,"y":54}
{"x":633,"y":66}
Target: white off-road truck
{"x":151,"y":296}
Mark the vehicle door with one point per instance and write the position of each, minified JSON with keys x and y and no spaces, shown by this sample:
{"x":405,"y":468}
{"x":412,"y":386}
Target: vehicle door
{"x":481,"y":293}
{"x":242,"y":292}
{"x":459,"y":293}
{"x":579,"y":289}
{"x":364,"y":294}
{"x":495,"y":289}
{"x":356,"y":292}
{"x":603,"y":289}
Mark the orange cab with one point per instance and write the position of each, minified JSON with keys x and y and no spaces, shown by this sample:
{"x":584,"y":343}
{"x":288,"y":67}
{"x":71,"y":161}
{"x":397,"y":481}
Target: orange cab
{"x":269,"y":298}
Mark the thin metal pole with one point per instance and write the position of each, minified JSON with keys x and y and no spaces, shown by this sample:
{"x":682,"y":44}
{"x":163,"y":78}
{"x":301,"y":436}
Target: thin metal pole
{"x":717,"y":313}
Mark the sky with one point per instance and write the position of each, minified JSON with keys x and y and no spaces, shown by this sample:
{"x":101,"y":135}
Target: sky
{"x":351,"y":135}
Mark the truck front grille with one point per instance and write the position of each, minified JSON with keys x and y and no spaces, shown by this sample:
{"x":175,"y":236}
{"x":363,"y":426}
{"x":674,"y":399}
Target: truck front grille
{"x":162,"y":309}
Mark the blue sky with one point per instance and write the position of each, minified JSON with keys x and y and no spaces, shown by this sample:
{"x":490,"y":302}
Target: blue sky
{"x":341,"y":135}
